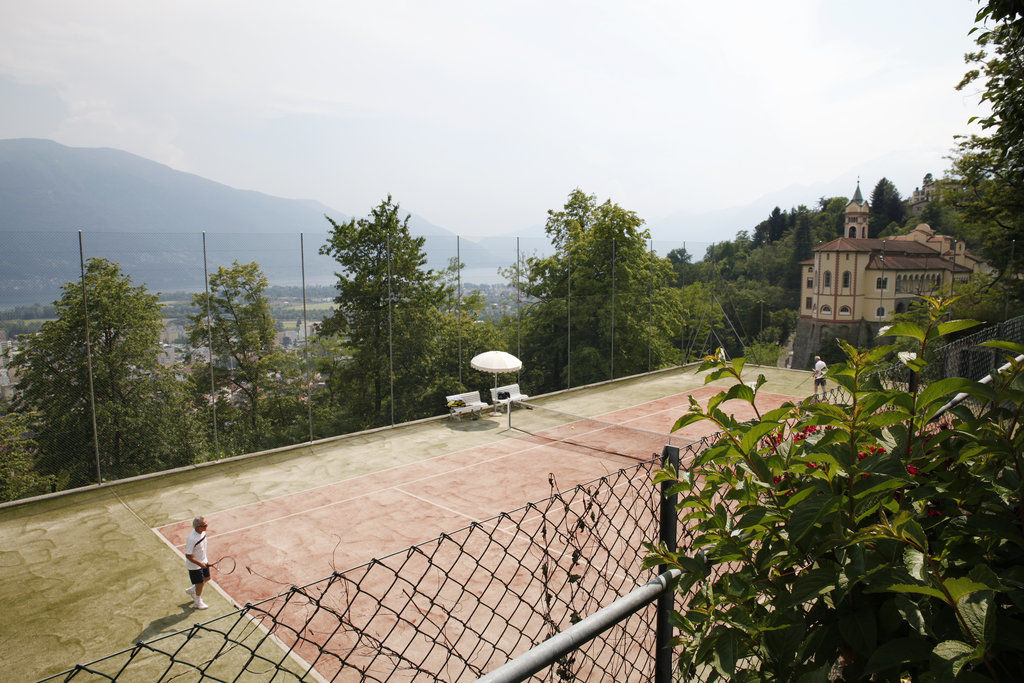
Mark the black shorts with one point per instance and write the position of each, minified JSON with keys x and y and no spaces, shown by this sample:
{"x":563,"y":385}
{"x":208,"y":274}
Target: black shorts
{"x":819,"y":382}
{"x":198,"y":576}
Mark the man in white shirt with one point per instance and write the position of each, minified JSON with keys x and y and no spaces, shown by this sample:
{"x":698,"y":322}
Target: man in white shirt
{"x":819,"y":375}
{"x":196,"y":562}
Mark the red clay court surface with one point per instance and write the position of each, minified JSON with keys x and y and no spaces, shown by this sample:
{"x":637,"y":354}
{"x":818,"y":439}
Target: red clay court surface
{"x":299,"y":538}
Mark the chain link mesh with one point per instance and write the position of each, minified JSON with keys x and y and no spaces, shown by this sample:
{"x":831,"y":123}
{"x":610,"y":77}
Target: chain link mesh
{"x":447,"y":609}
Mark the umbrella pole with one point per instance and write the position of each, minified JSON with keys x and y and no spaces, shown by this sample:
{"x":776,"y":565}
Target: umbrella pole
{"x":495,"y":399}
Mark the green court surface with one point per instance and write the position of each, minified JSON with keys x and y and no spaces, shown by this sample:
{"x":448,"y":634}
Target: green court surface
{"x":86,"y":575}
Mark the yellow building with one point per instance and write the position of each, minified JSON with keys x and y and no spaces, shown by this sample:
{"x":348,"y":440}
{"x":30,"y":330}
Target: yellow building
{"x":854,"y":284}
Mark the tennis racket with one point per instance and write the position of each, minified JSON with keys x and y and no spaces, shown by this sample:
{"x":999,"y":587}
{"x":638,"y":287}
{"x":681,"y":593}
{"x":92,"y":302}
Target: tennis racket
{"x":224,"y":565}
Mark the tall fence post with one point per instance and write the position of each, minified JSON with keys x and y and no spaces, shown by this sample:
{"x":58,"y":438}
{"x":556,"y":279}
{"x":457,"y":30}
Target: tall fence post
{"x":650,"y":307}
{"x":305,"y":337}
{"x":666,"y":535}
{"x":458,"y":303}
{"x":568,"y":313}
{"x":519,"y":314}
{"x":88,"y":360}
{"x":209,"y":343}
{"x":391,"y":344}
{"x":612,"y":359}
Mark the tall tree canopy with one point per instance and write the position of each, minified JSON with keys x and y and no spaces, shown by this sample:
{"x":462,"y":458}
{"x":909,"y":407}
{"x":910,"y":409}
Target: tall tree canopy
{"x":594,"y":296}
{"x":988,"y":170}
{"x":387,"y":315}
{"x":244,"y":349}
{"x":142,"y":423}
{"x":886,"y":207}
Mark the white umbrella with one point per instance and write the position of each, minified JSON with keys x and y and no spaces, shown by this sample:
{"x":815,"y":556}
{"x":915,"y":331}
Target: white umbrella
{"x":496,"y":362}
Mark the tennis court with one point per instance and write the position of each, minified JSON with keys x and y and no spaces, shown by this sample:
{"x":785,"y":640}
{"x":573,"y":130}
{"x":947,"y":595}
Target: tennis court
{"x":296,"y":516}
{"x":296,"y":539}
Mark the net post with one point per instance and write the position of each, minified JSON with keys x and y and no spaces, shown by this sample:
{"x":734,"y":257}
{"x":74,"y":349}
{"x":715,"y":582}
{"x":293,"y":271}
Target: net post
{"x":667,"y":536}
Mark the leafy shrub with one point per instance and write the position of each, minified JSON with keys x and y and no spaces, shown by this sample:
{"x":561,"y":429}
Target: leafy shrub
{"x":879,"y":537}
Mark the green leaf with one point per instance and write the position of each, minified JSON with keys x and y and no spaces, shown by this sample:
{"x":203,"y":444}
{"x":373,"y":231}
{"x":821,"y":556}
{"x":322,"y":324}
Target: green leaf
{"x":942,"y":388}
{"x":912,"y":531}
{"x":962,"y":586}
{"x":950,"y":656}
{"x":741,"y":392}
{"x":914,"y":588}
{"x":715,"y":401}
{"x":906,"y":330}
{"x":806,"y":515}
{"x":859,"y":630}
{"x":756,"y":516}
{"x":911,"y":614}
{"x":812,"y":584}
{"x":1013,"y":347}
{"x":978,"y":615}
{"x":755,"y":434}
{"x":897,"y":652}
{"x":687,"y":420}
{"x":886,"y":418}
{"x":914,"y":561}
{"x":955,"y":326}
{"x":726,"y":646}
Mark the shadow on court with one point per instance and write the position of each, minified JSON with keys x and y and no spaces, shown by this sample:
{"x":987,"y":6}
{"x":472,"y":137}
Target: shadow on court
{"x":168,"y":624}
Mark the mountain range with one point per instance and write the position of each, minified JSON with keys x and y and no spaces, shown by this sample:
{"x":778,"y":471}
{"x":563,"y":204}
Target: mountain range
{"x":148,"y":216}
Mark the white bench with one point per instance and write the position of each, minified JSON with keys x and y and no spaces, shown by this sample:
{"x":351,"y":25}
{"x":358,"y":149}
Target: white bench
{"x":513,"y":395}
{"x":471,"y":401}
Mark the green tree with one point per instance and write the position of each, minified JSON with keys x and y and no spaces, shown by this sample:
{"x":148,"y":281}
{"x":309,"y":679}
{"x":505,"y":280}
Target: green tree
{"x":387,"y":317}
{"x":886,"y":207}
{"x":18,"y":454}
{"x":141,"y":421}
{"x":245,"y":352}
{"x":596,"y":293}
{"x":987,"y":177}
{"x":777,"y":224}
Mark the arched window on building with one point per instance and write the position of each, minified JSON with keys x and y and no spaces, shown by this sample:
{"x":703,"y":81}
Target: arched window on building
{"x":828,"y":279}
{"x":844,"y":310}
{"x":853,"y":231}
{"x":846,"y":279}
{"x":826,"y":310}
{"x":880,"y":312}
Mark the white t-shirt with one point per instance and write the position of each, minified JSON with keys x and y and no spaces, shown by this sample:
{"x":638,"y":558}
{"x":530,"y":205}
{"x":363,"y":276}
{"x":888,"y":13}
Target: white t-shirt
{"x":196,"y":547}
{"x":819,"y":369}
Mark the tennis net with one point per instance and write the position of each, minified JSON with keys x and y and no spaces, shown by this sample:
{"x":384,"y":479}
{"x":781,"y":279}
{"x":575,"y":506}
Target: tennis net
{"x":580,"y":433}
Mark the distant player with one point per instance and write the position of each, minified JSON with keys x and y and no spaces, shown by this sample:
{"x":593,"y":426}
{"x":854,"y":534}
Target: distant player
{"x":196,"y":562}
{"x":819,"y":375}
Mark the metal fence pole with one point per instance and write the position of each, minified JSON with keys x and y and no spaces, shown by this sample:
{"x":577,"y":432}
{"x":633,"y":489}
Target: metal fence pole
{"x":650,"y":308}
{"x":305,"y":336}
{"x":391,"y":346}
{"x":568,"y":312}
{"x":209,"y":343}
{"x":458,"y":302}
{"x":88,"y":361}
{"x":519,"y":314}
{"x":666,"y":535}
{"x":612,"y":364}
{"x":682,"y":314}
{"x":1009,"y":267}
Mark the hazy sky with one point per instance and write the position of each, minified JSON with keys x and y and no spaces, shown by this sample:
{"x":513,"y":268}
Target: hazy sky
{"x":480,"y":116}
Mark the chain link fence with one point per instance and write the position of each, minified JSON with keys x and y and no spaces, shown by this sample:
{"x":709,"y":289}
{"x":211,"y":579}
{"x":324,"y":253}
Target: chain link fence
{"x":448,"y":609}
{"x":127,"y":382}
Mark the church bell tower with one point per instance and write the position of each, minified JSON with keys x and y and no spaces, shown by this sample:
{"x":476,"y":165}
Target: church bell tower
{"x":856,"y":224}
